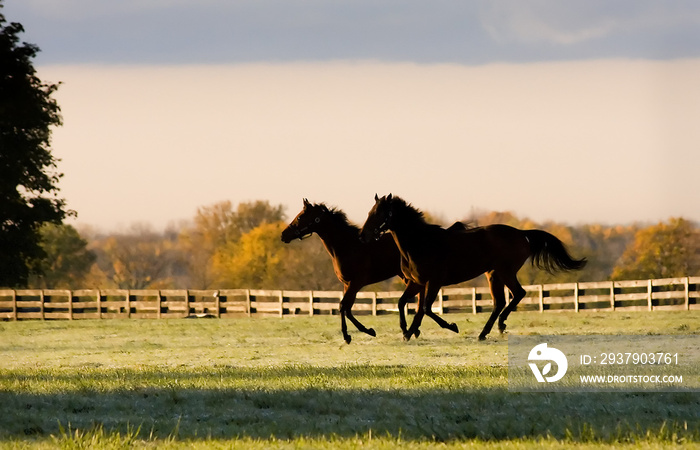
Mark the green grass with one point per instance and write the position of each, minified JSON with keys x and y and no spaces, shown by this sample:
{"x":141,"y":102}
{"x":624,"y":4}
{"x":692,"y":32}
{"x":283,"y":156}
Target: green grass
{"x":292,"y":383}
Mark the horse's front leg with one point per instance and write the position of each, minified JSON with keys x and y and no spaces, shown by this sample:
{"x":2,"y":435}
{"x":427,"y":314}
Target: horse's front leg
{"x":346,"y":310}
{"x":411,"y":290}
{"x":499,"y":302}
{"x":425,"y":302}
{"x":518,"y":292}
{"x":440,"y":321}
{"x":428,"y":311}
{"x":413,"y":330}
{"x":343,"y":324}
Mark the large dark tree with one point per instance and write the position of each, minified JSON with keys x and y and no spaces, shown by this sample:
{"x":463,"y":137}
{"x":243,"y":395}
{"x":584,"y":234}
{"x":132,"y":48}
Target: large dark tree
{"x":28,"y":172}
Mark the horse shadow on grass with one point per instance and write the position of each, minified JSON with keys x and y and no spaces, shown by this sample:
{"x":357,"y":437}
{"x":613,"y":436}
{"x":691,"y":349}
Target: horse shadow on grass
{"x":244,"y":402}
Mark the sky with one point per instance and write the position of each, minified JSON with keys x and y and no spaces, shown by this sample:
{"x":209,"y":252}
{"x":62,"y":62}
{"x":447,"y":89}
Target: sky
{"x":570,"y":111}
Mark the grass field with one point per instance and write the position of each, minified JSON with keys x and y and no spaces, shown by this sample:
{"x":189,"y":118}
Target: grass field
{"x":291,"y":383}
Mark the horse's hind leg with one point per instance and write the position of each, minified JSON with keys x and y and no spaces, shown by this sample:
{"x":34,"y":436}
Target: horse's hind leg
{"x":346,"y":310}
{"x":518,"y":293}
{"x":499,"y":301}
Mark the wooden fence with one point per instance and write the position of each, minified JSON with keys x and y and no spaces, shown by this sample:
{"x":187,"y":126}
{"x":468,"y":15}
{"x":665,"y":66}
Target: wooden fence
{"x":47,"y":304}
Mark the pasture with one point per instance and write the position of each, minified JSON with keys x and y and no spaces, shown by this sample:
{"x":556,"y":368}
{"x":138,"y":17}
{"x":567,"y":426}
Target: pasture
{"x":291,"y":382}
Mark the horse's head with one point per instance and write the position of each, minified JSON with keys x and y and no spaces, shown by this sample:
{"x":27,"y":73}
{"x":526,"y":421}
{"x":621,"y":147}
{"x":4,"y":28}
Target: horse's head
{"x":305,"y":223}
{"x":378,"y":219}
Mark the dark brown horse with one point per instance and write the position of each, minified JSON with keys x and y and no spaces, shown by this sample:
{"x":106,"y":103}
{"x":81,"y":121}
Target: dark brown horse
{"x":435,"y":257}
{"x":356,"y":264}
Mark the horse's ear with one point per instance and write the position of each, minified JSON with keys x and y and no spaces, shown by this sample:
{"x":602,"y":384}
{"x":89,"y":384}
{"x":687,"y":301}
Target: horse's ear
{"x":376,"y":198}
{"x":306,"y":202}
{"x":388,"y":197}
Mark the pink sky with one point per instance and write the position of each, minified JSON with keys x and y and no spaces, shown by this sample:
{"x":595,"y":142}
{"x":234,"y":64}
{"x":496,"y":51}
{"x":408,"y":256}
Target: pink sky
{"x":611,"y":141}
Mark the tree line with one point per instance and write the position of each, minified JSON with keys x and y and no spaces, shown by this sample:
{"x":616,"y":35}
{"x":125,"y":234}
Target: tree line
{"x":239,"y":247}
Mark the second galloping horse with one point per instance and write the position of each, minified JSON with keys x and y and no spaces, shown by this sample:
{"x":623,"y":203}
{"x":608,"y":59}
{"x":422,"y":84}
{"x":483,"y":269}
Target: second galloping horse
{"x":434,"y":257}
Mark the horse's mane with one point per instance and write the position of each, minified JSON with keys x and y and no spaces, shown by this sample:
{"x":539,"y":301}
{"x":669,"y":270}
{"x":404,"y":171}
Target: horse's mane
{"x":340,"y":218}
{"x":408,"y":210}
{"x":413,"y":213}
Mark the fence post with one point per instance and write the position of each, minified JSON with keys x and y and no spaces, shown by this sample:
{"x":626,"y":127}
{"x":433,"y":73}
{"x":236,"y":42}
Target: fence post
{"x":128,"y":304}
{"x":248,"y":307}
{"x":42,"y":298}
{"x":612,"y":295}
{"x":160,"y":302}
{"x":686,"y":288}
{"x":473,"y":300}
{"x":649,"y":296}
{"x":14,"y":304}
{"x":70,"y":305}
{"x":540,"y":292}
{"x":577,"y":306}
{"x":440,"y":303}
{"x":99,"y":303}
{"x":374,"y":303}
{"x":281,"y":304}
{"x":217,"y":304}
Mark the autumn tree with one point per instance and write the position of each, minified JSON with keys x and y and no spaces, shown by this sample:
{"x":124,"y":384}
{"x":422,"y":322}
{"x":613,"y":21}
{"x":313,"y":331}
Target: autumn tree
{"x":139,"y":259}
{"x":217,"y":226}
{"x":664,"y":250}
{"x":28,"y":175}
{"x":603,"y":246}
{"x":500,"y":217}
{"x":309,"y":266}
{"x":255,"y":260}
{"x":250,"y":215}
{"x":67,"y":261}
{"x":200,"y":241}
{"x":259,"y":259}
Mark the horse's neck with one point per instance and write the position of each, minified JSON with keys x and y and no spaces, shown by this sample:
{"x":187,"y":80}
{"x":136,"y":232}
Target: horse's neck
{"x":409,"y":238}
{"x":337,"y":239}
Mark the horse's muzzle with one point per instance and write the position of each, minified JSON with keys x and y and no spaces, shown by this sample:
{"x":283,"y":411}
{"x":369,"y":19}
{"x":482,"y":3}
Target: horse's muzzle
{"x":288,"y":236}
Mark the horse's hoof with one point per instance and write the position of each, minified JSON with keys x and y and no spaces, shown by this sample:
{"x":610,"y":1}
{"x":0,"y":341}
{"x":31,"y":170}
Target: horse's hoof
{"x":453,"y":327}
{"x":417,"y":333}
{"x":407,"y":337}
{"x":482,"y":337}
{"x":502,"y":328}
{"x":348,"y":339}
{"x":371,"y":332}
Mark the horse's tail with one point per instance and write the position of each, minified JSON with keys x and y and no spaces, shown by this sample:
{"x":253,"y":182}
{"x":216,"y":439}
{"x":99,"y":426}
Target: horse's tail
{"x":549,"y":253}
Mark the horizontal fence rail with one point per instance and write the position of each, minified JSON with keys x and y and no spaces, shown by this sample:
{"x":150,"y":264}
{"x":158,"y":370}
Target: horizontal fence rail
{"x":53,"y":304}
